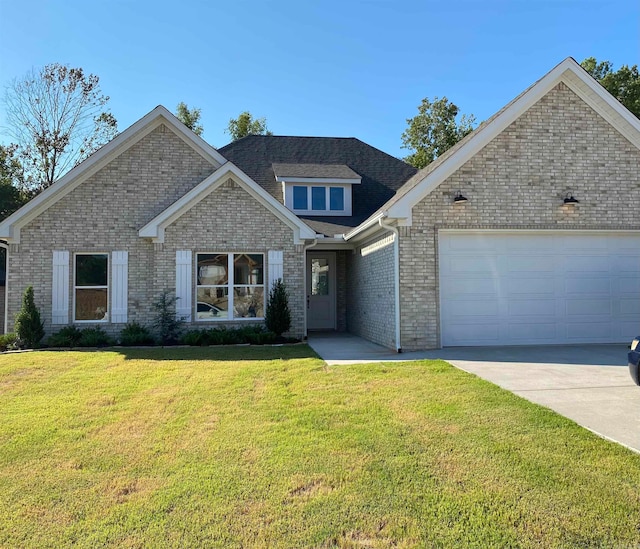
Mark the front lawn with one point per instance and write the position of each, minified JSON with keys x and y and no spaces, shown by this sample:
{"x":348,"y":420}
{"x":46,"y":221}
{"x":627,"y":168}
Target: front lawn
{"x":267,"y":447}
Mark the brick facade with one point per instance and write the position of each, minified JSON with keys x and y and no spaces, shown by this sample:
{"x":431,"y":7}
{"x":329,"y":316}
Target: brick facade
{"x":518,"y":181}
{"x":2,"y":298}
{"x":105,"y":212}
{"x":371,"y":291}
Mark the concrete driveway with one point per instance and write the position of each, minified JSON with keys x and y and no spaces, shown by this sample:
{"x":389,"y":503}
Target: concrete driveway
{"x":589,"y":384}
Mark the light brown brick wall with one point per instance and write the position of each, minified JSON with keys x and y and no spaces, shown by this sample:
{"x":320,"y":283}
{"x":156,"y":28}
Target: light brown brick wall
{"x":518,"y":181}
{"x":230,"y":220}
{"x":371,"y":293}
{"x":105,"y":213}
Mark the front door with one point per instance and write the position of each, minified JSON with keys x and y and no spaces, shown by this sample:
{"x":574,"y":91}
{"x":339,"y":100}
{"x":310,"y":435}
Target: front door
{"x":321,"y":290}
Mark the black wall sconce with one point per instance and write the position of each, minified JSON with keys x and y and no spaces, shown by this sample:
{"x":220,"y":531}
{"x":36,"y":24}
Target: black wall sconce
{"x":459,"y":199}
{"x":569,"y":199}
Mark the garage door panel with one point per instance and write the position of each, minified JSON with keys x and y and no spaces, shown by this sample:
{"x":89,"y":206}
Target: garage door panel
{"x":519,"y":288}
{"x":588,"y":286}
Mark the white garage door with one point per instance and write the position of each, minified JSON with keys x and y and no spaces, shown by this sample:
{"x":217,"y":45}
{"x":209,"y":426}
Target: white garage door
{"x":516,"y":288}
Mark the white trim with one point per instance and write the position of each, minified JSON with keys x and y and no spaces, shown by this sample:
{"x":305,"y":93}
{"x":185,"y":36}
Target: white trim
{"x":107,"y":315}
{"x":275,"y":267}
{"x":230,"y":286}
{"x":320,"y":180}
{"x":184,"y":281}
{"x":155,"y":228}
{"x":10,"y":227}
{"x":570,"y":73}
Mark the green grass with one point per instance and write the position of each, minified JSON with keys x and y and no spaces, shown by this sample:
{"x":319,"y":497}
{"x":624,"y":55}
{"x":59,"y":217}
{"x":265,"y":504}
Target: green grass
{"x":267,"y":447}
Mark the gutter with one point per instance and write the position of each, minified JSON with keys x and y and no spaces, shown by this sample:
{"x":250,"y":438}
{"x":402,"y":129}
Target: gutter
{"x":366,"y":225}
{"x":304,"y":281}
{"x":396,"y":268}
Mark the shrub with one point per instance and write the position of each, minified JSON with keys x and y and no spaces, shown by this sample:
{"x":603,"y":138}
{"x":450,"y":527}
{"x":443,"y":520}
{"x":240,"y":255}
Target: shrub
{"x":95,"y":337}
{"x":8,"y":342}
{"x":69,"y":336}
{"x":135,"y":334}
{"x":29,"y":327}
{"x":278,"y":316}
{"x":166,"y":322}
{"x":195,"y":338}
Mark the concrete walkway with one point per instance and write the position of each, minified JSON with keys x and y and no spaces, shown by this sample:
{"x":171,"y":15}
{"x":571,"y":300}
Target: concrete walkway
{"x":589,"y":384}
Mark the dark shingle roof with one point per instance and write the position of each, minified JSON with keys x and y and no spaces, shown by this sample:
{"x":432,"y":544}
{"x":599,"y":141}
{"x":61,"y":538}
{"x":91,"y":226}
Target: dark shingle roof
{"x":382,"y":174}
{"x":337,"y":171}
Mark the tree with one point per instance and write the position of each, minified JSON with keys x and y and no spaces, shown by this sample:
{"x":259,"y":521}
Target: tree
{"x":29,"y":326}
{"x":11,"y":196}
{"x":278,"y":316}
{"x":245,"y":125}
{"x":623,"y":84}
{"x":189,"y":117}
{"x":58,"y":117}
{"x":435,"y":129}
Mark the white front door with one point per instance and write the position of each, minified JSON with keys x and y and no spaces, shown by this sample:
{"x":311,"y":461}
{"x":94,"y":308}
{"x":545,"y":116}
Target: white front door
{"x":321,"y":290}
{"x":520,"y":288}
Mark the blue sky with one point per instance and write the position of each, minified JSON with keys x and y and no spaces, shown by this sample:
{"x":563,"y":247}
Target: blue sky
{"x":330,"y":68}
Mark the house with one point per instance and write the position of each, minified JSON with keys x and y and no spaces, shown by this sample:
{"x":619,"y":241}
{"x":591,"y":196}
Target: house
{"x":523,"y":233}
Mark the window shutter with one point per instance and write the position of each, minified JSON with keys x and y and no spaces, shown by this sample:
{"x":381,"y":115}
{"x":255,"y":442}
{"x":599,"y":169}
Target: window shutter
{"x":183,"y":284}
{"x":119,"y":286}
{"x":60,"y":288}
{"x":276,"y":268}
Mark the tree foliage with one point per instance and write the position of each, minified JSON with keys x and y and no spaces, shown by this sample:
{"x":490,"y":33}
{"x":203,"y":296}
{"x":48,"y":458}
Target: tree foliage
{"x":436,"y":128}
{"x":623,"y":84}
{"x":278,"y":316}
{"x":29,"y":327}
{"x":190,"y":117}
{"x":12,"y":196}
{"x":57,"y":116}
{"x":245,"y":125}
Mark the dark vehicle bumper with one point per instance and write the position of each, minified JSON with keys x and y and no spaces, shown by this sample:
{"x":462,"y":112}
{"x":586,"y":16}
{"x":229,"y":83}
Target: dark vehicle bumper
{"x":634,"y":361}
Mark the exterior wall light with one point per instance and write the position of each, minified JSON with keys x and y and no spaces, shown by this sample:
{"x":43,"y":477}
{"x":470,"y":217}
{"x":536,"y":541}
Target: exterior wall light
{"x":459,"y":199}
{"x":570,"y":200}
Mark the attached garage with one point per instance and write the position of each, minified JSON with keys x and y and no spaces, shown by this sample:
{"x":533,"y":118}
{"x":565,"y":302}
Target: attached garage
{"x":538,"y":287}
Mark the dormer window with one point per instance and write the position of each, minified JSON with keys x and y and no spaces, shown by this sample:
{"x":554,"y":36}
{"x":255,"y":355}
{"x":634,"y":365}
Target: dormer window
{"x":317,"y":189}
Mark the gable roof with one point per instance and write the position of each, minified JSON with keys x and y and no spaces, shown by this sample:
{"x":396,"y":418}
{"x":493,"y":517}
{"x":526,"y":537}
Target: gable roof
{"x":382,"y":174}
{"x":570,"y":73}
{"x":155,"y":228}
{"x":10,"y":227}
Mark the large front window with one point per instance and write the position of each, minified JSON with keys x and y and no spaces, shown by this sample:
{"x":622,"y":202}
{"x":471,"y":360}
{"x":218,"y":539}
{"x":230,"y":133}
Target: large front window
{"x":229,"y":286}
{"x":91,"y":289}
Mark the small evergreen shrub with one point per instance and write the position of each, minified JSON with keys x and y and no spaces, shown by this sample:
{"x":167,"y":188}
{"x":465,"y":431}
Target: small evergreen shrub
{"x":95,"y":337}
{"x":278,"y":315}
{"x":29,"y":327}
{"x":168,"y":326}
{"x":195,"y":338}
{"x":69,"y":336}
{"x":8,"y":342}
{"x":135,"y":334}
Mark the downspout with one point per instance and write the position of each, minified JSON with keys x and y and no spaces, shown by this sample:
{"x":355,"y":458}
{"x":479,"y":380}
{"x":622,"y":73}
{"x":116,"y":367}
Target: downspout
{"x":396,"y":268}
{"x":304,"y":281}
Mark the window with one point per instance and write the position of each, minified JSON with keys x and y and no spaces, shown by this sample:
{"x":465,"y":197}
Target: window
{"x":299,"y":198}
{"x":91,"y":289}
{"x":336,"y":198}
{"x":318,"y":198}
{"x":229,"y":286}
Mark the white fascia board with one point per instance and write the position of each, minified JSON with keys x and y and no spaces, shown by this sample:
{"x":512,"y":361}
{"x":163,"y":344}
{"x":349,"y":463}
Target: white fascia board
{"x":155,"y":228}
{"x":568,"y":72}
{"x":10,"y":227}
{"x":321,"y":180}
{"x":371,"y":222}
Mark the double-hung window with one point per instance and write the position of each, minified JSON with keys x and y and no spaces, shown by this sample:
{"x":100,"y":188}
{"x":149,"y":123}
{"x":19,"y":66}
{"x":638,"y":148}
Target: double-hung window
{"x":229,"y":286}
{"x":91,"y":288}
